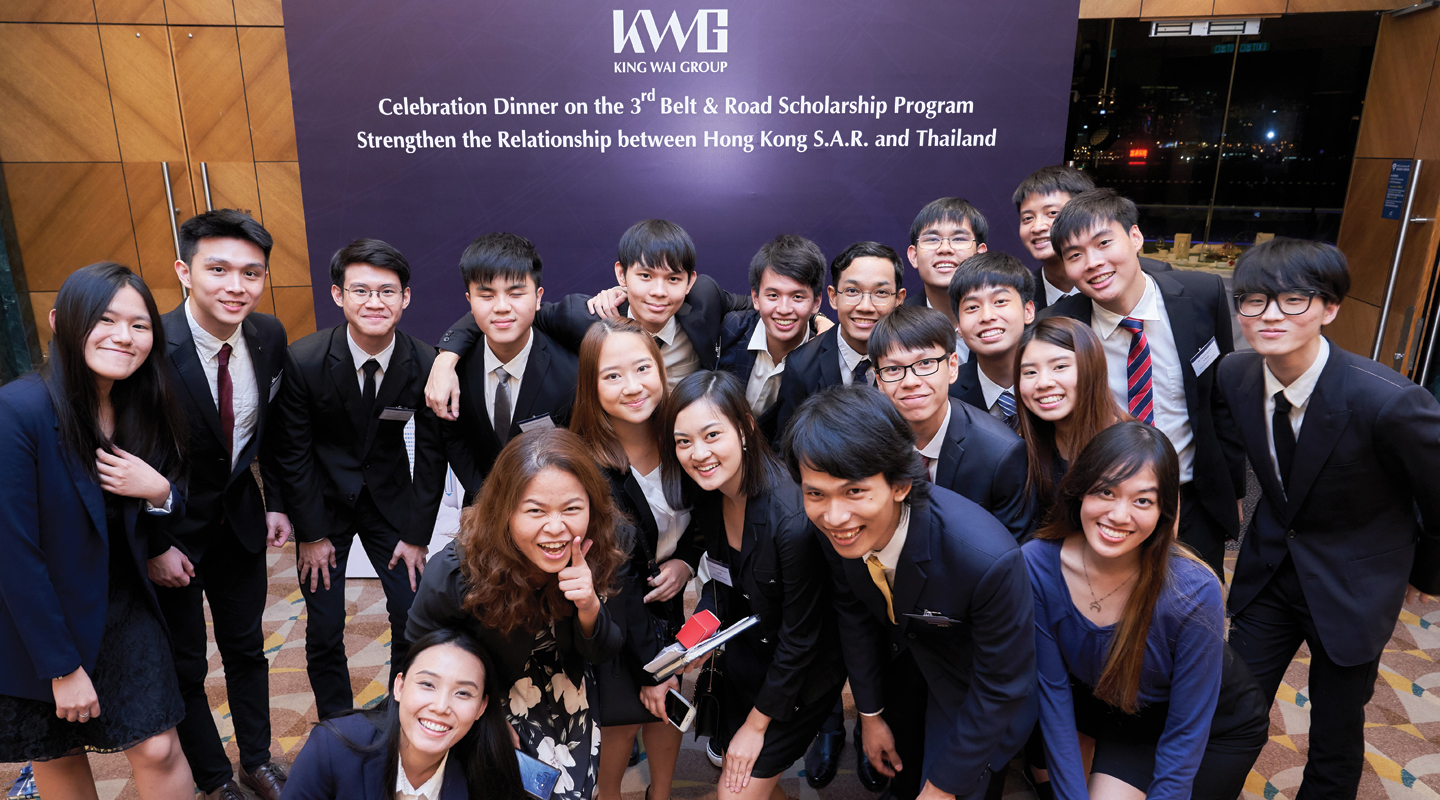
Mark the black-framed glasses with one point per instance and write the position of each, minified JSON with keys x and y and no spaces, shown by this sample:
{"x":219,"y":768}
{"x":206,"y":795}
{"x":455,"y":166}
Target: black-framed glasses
{"x":1292,"y":302}
{"x":921,"y":368}
{"x":959,"y":241}
{"x":388,"y":295}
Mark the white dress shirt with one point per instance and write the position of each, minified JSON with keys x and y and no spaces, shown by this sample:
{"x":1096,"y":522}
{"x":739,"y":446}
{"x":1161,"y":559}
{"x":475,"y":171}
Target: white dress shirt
{"x":849,"y":358}
{"x":675,"y":350}
{"x":669,"y":523}
{"x":931,"y":450}
{"x":1298,"y":393}
{"x":515,"y":368}
{"x":764,"y":382}
{"x":360,"y":357}
{"x":890,"y":554}
{"x":1052,"y":294}
{"x":992,"y":392}
{"x":244,"y":394}
{"x":960,"y":346}
{"x":430,"y":790}
{"x":1171,"y":414}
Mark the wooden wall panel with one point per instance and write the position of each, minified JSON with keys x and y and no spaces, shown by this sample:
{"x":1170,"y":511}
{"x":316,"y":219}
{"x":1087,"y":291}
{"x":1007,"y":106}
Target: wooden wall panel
{"x":67,"y":216}
{"x":258,"y":12}
{"x":1427,"y":144}
{"x":1109,"y":9}
{"x":149,"y":213}
{"x":232,"y":185}
{"x":145,"y":12}
{"x":284,"y":216}
{"x":267,"y":93}
{"x":1310,"y":6}
{"x":1245,"y":7}
{"x":1354,"y":327}
{"x":1399,"y":81}
{"x":266,"y":302}
{"x":54,"y":102}
{"x":142,"y":89}
{"x":1177,"y":8}
{"x":295,"y":306}
{"x":212,"y":93}
{"x":200,"y":12}
{"x":47,"y":11}
{"x":1367,"y":240}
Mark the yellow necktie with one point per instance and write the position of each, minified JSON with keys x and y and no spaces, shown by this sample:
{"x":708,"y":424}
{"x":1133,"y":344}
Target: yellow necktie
{"x":877,"y":574}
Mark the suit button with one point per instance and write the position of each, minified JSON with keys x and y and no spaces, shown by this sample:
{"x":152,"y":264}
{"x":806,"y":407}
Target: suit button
{"x":351,"y":497}
{"x":1268,"y":565}
{"x":895,"y":647}
{"x":222,"y":460}
{"x":912,"y":636}
{"x":1290,"y":533}
{"x":365,"y":466}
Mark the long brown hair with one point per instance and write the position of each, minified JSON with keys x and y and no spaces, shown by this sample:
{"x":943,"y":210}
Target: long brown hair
{"x":589,"y":419}
{"x":1095,"y":408}
{"x":497,"y":573}
{"x":1112,"y":457}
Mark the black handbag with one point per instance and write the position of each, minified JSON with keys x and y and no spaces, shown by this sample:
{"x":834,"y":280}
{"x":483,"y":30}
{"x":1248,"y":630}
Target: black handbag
{"x":707,"y":694}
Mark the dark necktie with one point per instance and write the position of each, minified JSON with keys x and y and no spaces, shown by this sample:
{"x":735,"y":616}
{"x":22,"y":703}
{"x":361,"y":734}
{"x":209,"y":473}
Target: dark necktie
{"x":226,"y":390}
{"x":861,"y":374}
{"x":1284,"y":438}
{"x":367,"y":395}
{"x":1006,"y":401}
{"x":929,"y":462}
{"x":1137,"y":372}
{"x":501,"y":421}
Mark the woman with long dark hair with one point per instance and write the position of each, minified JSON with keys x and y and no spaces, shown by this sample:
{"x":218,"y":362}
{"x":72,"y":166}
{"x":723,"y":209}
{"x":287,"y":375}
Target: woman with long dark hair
{"x":90,"y":461}
{"x":1130,"y":637}
{"x":535,"y":555}
{"x":441,"y":733}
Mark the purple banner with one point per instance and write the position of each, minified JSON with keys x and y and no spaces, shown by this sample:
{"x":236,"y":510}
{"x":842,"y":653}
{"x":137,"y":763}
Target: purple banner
{"x":429,"y":122}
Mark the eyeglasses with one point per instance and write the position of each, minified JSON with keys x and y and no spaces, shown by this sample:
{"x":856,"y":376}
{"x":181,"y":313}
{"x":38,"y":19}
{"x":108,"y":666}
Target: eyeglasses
{"x":921,"y":368}
{"x":388,"y":295}
{"x":850,"y":296}
{"x":959,"y":241}
{"x":1292,"y":303}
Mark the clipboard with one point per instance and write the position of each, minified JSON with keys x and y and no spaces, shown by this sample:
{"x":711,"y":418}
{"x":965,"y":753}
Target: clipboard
{"x":698,"y":651}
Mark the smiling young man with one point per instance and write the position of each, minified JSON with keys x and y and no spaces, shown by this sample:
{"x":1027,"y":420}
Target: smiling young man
{"x":965,"y":450}
{"x":229,"y":359}
{"x":932,"y":595}
{"x":1348,"y":523}
{"x":993,"y":296}
{"x":945,"y":233}
{"x":1162,"y":333}
{"x":339,"y":440}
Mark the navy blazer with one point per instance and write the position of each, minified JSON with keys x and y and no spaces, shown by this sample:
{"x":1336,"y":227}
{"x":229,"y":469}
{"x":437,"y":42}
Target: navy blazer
{"x":55,"y":577}
{"x":967,"y":388}
{"x":326,"y":769}
{"x":984,"y":461}
{"x":808,"y":369}
{"x":1366,"y":461}
{"x":960,"y":565}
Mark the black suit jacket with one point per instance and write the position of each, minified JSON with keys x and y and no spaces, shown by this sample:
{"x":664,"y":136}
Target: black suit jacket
{"x":736,"y":357}
{"x":1366,"y":461}
{"x":808,"y":369}
{"x":1199,"y":310}
{"x":967,"y":388}
{"x":216,"y":490}
{"x":960,"y":565}
{"x":547,"y":387}
{"x":328,"y":449}
{"x":983,"y":460}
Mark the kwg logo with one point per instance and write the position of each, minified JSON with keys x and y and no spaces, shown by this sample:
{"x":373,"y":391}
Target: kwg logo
{"x":707,"y":22}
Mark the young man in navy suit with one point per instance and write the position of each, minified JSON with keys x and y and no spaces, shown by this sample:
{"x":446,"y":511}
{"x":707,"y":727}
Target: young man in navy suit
{"x":945,"y":233}
{"x":933,"y":598}
{"x":1348,"y":524}
{"x":229,"y":361}
{"x":1162,"y":334}
{"x":339,"y":441}
{"x":993,"y":296}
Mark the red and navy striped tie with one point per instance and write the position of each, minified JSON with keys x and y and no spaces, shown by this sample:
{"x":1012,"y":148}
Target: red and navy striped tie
{"x":1139,"y":386}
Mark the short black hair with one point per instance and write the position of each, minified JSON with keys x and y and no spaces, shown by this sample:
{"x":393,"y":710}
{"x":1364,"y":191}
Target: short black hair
{"x":852,"y":433}
{"x":1089,"y":210}
{"x":954,"y":209}
{"x":657,"y":244}
{"x":369,"y":251}
{"x":789,"y":256}
{"x":992,"y":269}
{"x":1284,"y":264}
{"x":866,"y":250}
{"x":911,"y":328}
{"x":223,"y":223}
{"x":1052,"y":180}
{"x":499,"y":257}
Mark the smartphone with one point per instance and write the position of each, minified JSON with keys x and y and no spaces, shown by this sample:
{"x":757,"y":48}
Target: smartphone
{"x":678,"y":710}
{"x":538,"y":777}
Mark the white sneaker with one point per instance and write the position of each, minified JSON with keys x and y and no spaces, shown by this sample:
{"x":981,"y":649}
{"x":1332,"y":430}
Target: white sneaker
{"x":718,"y":759}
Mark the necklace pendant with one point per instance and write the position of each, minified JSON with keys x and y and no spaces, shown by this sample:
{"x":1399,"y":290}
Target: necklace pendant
{"x":1095,"y":606}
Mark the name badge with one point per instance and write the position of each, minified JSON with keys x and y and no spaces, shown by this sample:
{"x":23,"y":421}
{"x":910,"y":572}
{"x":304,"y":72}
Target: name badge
{"x":1202,"y":360}
{"x":718,"y":571}
{"x":397,"y":414}
{"x":540,"y":423}
{"x":275,"y":384}
{"x":932,"y":618}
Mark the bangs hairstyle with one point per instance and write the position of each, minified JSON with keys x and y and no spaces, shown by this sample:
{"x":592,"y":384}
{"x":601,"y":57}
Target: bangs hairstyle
{"x":1115,"y":455}
{"x":223,"y":223}
{"x":990,"y":270}
{"x":499,"y":258}
{"x":485,"y":754}
{"x":657,"y":244}
{"x":853,"y":433}
{"x":867,"y":250}
{"x":497,"y":574}
{"x":1095,"y":408}
{"x":589,"y":419}
{"x":759,"y":466}
{"x":1282,"y":265}
{"x":955,"y":210}
{"x":373,"y":252}
{"x":1052,"y":180}
{"x":790,"y":256}
{"x":911,"y":328}
{"x":1089,"y":210}
{"x":148,"y":419}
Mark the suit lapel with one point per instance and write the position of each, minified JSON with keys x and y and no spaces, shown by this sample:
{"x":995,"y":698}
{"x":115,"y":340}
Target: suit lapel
{"x":858,"y":575}
{"x":90,"y":493}
{"x":830,"y":358}
{"x":535,"y":371}
{"x":952,"y":449}
{"x":909,"y":574}
{"x":1326,"y":416}
{"x":1250,"y":418}
{"x":455,"y":786}
{"x":756,"y":523}
{"x":342,"y":372}
{"x":192,"y":373}
{"x":393,"y":382}
{"x":1185,"y":327}
{"x":644,"y":517}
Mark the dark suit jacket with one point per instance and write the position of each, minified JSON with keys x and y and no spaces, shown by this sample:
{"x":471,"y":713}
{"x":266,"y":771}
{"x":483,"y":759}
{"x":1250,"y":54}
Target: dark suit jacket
{"x":1366,"y":461}
{"x":55,"y":577}
{"x":327,"y":450}
{"x":808,"y":369}
{"x":216,"y":490}
{"x":547,"y":387}
{"x":792,"y":657}
{"x":736,"y":357}
{"x":983,"y":460}
{"x":326,"y":769}
{"x":1151,"y":265}
{"x":958,"y":563}
{"x":1199,"y":310}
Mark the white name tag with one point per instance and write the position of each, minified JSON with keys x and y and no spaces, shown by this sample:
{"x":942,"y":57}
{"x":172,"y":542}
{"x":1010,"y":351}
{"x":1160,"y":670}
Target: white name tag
{"x":275,"y":385}
{"x":397,"y":414}
{"x":1202,"y":360}
{"x":540,"y":423}
{"x":718,"y":571}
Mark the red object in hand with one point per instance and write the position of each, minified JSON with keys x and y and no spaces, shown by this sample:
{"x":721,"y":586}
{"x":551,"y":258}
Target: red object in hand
{"x":697,"y":629}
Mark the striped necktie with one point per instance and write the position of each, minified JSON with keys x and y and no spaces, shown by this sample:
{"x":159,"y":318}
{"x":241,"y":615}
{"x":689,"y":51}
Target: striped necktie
{"x":1139,"y":386}
{"x":1006,"y":401}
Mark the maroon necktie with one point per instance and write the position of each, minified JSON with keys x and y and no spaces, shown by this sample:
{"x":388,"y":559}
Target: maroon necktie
{"x":227,"y":400}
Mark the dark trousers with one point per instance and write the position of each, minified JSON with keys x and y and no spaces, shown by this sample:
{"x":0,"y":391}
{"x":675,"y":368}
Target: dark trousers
{"x":325,"y":660}
{"x":1201,"y":531}
{"x":234,"y":580}
{"x":906,"y":698}
{"x":1266,"y":634}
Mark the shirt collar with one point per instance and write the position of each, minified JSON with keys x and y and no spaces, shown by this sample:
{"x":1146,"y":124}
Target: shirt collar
{"x":430,"y":790}
{"x":890,"y":554}
{"x":848,"y":354}
{"x":515,"y":367}
{"x":932,"y":449}
{"x":1299,"y":390}
{"x":666,"y":334}
{"x":759,"y":338}
{"x":360,"y":356}
{"x":1052,"y":292}
{"x":989,"y":388}
{"x":207,"y":344}
{"x":1147,"y":310}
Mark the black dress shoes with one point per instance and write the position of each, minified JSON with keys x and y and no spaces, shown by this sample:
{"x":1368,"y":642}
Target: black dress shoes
{"x":822,"y":761}
{"x":869,"y":777}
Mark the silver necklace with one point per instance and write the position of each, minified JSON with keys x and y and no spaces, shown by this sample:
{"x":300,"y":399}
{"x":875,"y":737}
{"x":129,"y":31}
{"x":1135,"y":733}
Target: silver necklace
{"x":1094,"y":603}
